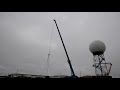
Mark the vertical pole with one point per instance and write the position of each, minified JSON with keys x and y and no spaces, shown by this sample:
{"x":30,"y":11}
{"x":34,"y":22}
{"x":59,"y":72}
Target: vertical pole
{"x":72,"y":71}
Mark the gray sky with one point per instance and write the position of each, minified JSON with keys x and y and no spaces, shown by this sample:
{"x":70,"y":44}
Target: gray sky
{"x":25,"y":40}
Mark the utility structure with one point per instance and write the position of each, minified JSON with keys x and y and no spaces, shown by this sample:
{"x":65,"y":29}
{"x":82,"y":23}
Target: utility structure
{"x":97,"y":48}
{"x":69,"y":62}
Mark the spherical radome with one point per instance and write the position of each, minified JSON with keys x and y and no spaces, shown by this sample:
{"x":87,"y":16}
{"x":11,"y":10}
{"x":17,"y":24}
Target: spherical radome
{"x":97,"y":47}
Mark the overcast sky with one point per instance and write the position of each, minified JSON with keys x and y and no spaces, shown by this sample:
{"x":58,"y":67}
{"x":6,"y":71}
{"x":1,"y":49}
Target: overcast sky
{"x":25,"y":41}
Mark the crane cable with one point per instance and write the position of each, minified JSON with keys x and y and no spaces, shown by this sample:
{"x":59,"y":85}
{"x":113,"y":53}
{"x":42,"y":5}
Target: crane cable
{"x":50,"y":49}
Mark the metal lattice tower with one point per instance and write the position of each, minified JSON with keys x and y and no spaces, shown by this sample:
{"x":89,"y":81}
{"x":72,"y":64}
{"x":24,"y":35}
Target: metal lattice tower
{"x":101,"y":67}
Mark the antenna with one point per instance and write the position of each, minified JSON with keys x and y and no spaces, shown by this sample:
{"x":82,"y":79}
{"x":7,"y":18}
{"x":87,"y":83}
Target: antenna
{"x":49,"y":51}
{"x":80,"y":74}
{"x":69,"y":62}
{"x":97,"y":48}
{"x":17,"y":71}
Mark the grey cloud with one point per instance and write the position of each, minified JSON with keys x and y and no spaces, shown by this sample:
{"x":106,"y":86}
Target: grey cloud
{"x":25,"y":39}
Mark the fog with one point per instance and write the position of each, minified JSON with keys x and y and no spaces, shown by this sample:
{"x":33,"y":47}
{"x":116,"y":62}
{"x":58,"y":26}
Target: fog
{"x":25,"y":40}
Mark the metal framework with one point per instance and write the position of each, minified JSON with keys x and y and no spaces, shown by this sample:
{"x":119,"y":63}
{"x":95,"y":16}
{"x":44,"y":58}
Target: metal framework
{"x":101,"y":67}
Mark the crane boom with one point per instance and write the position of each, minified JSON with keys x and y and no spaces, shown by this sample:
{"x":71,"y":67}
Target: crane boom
{"x":69,"y":62}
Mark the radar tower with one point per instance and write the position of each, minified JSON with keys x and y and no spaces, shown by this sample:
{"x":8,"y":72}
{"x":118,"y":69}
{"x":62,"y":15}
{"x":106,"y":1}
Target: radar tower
{"x":97,"y":48}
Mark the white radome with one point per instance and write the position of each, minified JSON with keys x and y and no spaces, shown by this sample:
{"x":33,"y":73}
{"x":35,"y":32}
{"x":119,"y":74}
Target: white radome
{"x":97,"y":47}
